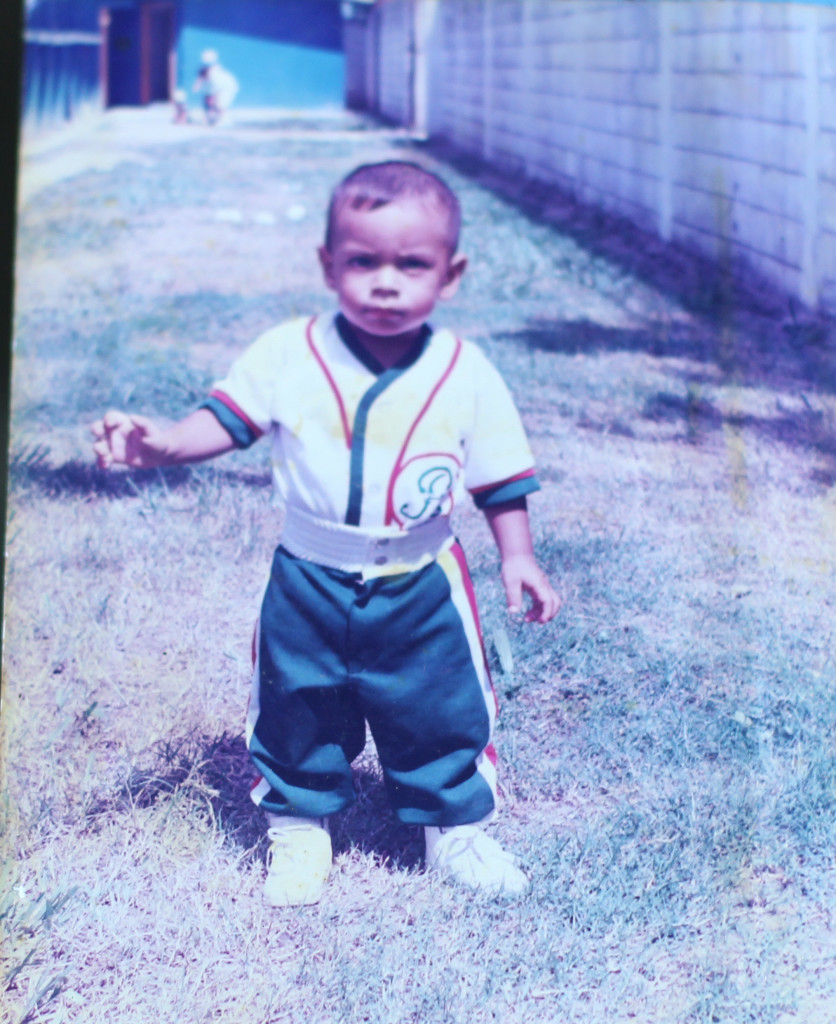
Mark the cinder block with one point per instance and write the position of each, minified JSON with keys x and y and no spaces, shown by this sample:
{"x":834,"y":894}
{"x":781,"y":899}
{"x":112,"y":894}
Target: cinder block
{"x":777,"y":99}
{"x":622,"y":86}
{"x":621,"y":54}
{"x":778,"y":238}
{"x":622,"y":119}
{"x":732,"y":15}
{"x":768,"y":52}
{"x":621,"y":181}
{"x":827,"y":206}
{"x":826,"y":154}
{"x":770,"y":188}
{"x":772,"y":145}
{"x":635,"y":20}
{"x":507,"y":13}
{"x":827,"y":105}
{"x":641,"y":155}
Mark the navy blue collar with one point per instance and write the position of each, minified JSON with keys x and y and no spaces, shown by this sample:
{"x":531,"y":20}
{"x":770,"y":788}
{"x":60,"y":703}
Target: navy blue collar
{"x":361,"y":353}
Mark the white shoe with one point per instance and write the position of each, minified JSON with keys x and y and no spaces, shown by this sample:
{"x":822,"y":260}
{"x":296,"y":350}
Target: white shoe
{"x":467,"y":855}
{"x":299,"y":861}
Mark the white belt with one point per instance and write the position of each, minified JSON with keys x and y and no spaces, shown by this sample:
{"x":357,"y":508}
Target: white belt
{"x":381,"y":552}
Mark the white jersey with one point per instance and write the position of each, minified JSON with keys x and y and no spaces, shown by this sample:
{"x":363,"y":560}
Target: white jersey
{"x":221,"y":84}
{"x":356,"y":444}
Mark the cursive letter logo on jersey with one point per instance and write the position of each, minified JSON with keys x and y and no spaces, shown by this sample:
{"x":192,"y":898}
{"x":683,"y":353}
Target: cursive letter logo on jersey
{"x":424,"y":488}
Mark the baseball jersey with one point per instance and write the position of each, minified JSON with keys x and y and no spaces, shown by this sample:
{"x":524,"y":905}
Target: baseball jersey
{"x":359,"y":444}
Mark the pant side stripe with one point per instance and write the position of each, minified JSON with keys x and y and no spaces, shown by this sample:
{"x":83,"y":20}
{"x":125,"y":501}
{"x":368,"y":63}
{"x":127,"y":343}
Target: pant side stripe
{"x":455,"y":569}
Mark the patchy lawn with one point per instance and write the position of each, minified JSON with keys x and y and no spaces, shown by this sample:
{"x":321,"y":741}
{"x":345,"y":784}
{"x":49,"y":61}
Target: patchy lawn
{"x":667,"y":742}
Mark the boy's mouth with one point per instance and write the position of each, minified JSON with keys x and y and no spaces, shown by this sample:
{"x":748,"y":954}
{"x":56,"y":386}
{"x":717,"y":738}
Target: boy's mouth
{"x":383,"y":312}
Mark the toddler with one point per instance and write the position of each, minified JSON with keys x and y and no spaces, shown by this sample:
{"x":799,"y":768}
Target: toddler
{"x":379,"y":423}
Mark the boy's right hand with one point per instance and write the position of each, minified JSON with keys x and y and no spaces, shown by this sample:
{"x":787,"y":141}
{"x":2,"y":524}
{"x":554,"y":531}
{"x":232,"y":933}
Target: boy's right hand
{"x":128,"y":440}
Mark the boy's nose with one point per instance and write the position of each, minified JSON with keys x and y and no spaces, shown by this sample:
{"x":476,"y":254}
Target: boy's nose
{"x":386,"y":279}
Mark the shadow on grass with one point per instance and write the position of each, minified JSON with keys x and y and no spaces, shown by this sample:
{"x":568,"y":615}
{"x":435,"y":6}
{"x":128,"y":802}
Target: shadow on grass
{"x":787,"y":359}
{"x":698,"y":418}
{"x":31,"y":469}
{"x":574,"y":337}
{"x":808,"y":428}
{"x":217,"y":774}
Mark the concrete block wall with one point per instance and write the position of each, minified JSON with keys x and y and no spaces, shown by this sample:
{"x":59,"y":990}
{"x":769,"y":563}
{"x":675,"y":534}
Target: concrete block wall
{"x":458,"y":104}
{"x":709,"y":122}
{"x":823,"y":171}
{"x":745,"y":177}
{"x":395,"y":66}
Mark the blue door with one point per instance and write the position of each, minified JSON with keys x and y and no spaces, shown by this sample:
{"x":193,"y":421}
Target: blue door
{"x":123,"y":57}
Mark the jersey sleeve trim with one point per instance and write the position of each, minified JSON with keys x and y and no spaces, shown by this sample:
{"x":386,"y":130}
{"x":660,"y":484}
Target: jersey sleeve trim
{"x":232,"y":418}
{"x":505,"y":490}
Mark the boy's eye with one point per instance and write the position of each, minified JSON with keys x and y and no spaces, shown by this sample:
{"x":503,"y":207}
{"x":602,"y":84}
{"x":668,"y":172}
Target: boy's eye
{"x":361,"y":262}
{"x":415,"y":263}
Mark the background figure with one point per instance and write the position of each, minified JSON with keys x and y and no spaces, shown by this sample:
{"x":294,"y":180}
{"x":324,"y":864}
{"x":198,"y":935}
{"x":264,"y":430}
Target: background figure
{"x":181,"y":107}
{"x":218,"y":86}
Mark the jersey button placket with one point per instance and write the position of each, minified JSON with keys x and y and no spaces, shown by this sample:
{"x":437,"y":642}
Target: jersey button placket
{"x":380,"y":557}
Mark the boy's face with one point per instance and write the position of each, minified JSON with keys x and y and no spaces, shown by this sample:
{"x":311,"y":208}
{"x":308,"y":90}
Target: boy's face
{"x":390,"y":266}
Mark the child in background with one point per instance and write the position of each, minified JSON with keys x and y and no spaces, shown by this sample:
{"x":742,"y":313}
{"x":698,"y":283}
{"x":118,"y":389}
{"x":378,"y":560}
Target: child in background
{"x":218,"y":86}
{"x":378,"y":423}
{"x":181,"y":107}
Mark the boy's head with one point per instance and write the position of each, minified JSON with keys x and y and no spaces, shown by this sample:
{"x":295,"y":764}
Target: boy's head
{"x":390,"y":247}
{"x":372,"y":186}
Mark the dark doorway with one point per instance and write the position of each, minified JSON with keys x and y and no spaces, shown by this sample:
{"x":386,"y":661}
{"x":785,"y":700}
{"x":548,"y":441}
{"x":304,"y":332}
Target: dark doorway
{"x":121,"y":56}
{"x":137,"y":54}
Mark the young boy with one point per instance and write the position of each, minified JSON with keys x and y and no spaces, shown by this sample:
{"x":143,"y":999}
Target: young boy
{"x":379,"y":423}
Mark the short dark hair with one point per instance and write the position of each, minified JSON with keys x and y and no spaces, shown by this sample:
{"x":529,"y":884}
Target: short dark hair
{"x":371,"y":186}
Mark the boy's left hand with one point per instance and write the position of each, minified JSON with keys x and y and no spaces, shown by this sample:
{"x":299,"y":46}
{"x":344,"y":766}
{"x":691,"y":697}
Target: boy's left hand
{"x":522,"y":575}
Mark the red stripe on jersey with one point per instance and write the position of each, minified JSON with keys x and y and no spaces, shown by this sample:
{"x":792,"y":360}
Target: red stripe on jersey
{"x":399,"y":463}
{"x":239,"y":412}
{"x":502,"y":483}
{"x":457,"y":553}
{"x":331,"y":381}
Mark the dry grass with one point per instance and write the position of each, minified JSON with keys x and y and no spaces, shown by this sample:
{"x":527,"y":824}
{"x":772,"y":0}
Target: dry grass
{"x":667,"y":743}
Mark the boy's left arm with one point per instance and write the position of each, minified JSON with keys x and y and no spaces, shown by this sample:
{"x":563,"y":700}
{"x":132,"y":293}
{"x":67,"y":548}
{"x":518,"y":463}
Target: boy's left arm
{"x":520,"y":572}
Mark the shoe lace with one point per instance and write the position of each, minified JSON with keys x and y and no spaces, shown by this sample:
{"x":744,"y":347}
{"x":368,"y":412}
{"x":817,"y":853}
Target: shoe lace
{"x":466,"y":845}
{"x":284,"y":837}
{"x":474,"y":843}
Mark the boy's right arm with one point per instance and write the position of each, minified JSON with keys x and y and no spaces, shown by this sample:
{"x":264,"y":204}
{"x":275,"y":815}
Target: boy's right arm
{"x":137,"y":442}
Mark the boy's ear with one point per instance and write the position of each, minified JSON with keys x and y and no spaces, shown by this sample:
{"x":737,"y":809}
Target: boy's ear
{"x":455,"y":270}
{"x":326,"y":261}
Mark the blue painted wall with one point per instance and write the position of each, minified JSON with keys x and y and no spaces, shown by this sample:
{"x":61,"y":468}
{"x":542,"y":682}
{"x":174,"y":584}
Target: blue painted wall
{"x":285,"y":53}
